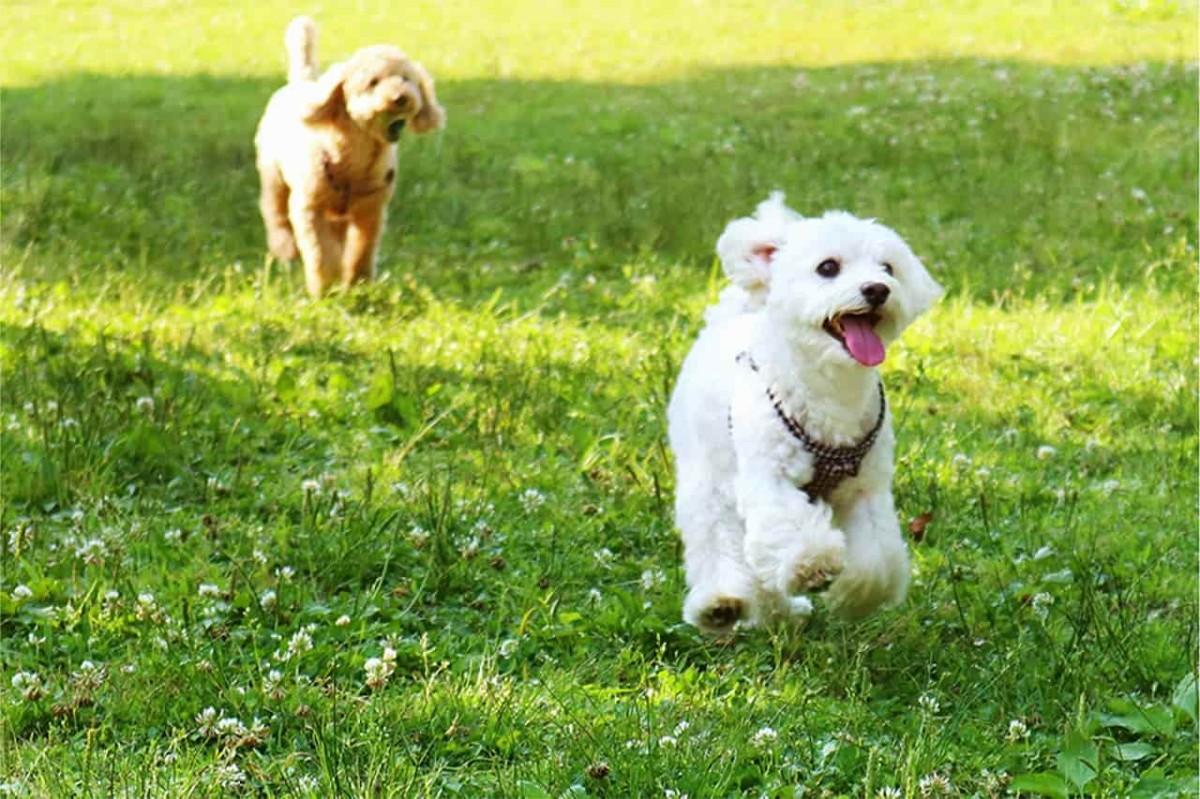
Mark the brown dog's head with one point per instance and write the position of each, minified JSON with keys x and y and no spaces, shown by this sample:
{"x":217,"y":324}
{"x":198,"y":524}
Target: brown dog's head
{"x":382,"y":91}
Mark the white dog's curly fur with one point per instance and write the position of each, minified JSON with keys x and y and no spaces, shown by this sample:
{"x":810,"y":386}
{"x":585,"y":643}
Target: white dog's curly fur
{"x":327,"y":154}
{"x":812,"y":305}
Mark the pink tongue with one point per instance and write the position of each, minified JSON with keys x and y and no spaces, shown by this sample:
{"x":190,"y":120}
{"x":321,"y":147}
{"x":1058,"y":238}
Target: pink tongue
{"x":865,"y":347}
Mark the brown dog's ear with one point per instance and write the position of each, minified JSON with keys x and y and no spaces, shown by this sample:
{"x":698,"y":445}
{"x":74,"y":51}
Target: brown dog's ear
{"x":326,"y":96}
{"x":431,"y":116}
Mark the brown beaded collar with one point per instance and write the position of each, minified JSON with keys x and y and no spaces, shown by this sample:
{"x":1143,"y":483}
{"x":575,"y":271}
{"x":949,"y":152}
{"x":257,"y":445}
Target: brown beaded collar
{"x":831,"y":464}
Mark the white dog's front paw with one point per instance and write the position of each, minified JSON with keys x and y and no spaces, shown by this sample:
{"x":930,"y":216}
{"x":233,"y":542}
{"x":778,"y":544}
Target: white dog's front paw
{"x":716,"y":612}
{"x":812,"y":566}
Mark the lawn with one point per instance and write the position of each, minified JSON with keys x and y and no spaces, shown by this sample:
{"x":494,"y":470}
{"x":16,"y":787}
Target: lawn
{"x":417,"y":540}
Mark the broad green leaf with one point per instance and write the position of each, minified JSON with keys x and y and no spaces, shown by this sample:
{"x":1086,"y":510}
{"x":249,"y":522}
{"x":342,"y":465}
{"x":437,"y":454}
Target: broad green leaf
{"x":1041,"y":783}
{"x":531,"y":790}
{"x":1137,"y":750}
{"x":1184,"y":698}
{"x":380,"y":391}
{"x":1078,"y":761}
{"x":1155,"y":785}
{"x":1149,"y":720}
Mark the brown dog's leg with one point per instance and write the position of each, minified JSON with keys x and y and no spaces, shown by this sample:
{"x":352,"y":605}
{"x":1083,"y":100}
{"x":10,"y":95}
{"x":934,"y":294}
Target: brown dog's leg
{"x":273,"y":202}
{"x":362,"y":239}
{"x":320,"y":249}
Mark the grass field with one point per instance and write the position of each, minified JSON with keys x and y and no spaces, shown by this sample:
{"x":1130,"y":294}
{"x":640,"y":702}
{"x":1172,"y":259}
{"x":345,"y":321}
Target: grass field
{"x":417,"y":540}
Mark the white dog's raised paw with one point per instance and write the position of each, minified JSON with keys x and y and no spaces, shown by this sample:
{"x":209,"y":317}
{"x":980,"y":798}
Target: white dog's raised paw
{"x":813,"y":572}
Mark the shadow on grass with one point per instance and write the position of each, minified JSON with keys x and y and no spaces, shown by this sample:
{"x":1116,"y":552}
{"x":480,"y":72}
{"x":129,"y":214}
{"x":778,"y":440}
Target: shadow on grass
{"x":1004,"y":176}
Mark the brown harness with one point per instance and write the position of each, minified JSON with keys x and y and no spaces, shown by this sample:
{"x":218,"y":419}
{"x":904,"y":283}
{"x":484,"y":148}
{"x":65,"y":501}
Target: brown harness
{"x":831,"y":465}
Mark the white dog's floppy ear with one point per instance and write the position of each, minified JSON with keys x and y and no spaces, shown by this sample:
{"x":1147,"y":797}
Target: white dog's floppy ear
{"x":923,"y":290}
{"x":431,"y":116}
{"x":326,"y":96}
{"x":748,"y":246}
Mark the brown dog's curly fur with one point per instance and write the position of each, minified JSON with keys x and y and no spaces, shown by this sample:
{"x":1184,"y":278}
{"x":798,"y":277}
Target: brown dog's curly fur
{"x":327,"y":154}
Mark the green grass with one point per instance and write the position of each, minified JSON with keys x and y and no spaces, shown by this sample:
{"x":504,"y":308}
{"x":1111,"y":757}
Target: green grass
{"x":465,"y":465}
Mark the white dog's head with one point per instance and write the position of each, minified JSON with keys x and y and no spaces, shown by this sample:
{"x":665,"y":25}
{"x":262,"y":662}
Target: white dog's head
{"x":834,"y":283}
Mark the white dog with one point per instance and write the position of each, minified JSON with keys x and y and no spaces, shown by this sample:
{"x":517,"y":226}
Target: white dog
{"x":779,"y":424}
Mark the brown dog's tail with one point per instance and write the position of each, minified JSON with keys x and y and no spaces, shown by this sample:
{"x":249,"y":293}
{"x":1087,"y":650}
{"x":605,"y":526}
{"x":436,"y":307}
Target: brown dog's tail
{"x":301,"y":42}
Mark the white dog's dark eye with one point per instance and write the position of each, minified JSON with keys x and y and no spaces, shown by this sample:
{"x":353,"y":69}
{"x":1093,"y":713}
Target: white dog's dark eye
{"x":374,"y":82}
{"x":829,"y":268}
{"x":888,"y":268}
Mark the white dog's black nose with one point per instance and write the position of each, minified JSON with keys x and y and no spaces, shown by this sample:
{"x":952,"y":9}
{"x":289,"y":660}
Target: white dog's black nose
{"x":875,"y":294}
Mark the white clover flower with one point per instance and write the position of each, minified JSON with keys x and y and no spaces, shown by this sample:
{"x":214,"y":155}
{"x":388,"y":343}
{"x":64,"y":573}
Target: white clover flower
{"x":1139,"y":194}
{"x":764,"y":736}
{"x":935,"y":785}
{"x":69,"y":422}
{"x":52,"y":405}
{"x":273,"y":685}
{"x":229,"y":777}
{"x":311,"y":486}
{"x":145,"y":405}
{"x":129,"y":668}
{"x":231,"y":727}
{"x":173,"y":536}
{"x":671,"y":793}
{"x":308,"y":783}
{"x":378,"y":670}
{"x":532,"y":499}
{"x":652,"y":578}
{"x":342,"y":621}
{"x":209,"y":590}
{"x":1017,"y":731}
{"x":668,"y":740}
{"x":268,"y":600}
{"x":508,"y":646}
{"x":594,"y":597}
{"x":890,"y":792}
{"x":206,"y":722}
{"x":960,"y":460}
{"x":604,"y":557}
{"x":1045,"y":452}
{"x":21,"y":593}
{"x":1044,"y":552}
{"x":1041,"y":603}
{"x":299,"y":643}
{"x":285,"y":573}
{"x":89,"y":677}
{"x":147,"y":607}
{"x":29,"y":683}
{"x":470,"y":549}
{"x":92,"y":552}
{"x":682,"y":727}
{"x":929,"y":704}
{"x":259,"y":556}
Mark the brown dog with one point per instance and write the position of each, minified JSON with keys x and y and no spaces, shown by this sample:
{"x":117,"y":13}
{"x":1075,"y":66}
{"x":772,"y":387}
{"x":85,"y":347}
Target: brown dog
{"x":327,"y":154}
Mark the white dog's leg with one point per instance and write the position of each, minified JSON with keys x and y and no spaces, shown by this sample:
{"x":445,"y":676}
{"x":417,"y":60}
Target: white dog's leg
{"x":877,"y":566}
{"x":320,"y":249}
{"x":720,"y":586}
{"x":791,"y":544}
